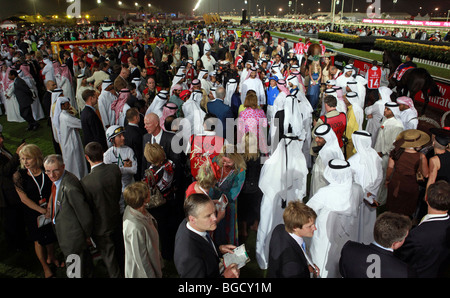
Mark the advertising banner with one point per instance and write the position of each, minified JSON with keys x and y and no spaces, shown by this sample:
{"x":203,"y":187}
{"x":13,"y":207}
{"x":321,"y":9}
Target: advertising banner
{"x":406,"y":22}
{"x":441,"y":102}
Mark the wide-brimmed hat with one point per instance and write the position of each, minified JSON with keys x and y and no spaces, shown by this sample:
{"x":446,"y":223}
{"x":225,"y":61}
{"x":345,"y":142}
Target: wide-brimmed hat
{"x":412,"y":138}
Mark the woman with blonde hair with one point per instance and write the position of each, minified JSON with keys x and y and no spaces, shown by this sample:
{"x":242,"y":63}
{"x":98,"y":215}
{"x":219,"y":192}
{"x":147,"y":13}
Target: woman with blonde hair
{"x":205,"y":183}
{"x":140,"y":234}
{"x":35,"y":191}
{"x":205,"y":180}
{"x":204,"y":101}
{"x":250,"y":196}
{"x":315,"y":75}
{"x":230,"y":168}
{"x":253,"y":119}
{"x":176,"y":54}
{"x":160,"y":175}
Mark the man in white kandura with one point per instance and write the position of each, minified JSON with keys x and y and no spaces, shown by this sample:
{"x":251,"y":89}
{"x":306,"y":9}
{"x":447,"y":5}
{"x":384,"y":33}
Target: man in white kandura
{"x":367,"y":172}
{"x":337,"y":217}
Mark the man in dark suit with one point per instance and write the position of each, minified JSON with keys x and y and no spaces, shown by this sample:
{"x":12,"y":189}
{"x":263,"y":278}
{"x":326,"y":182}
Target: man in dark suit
{"x":220,"y":110}
{"x":25,"y":98}
{"x":427,"y":247}
{"x":71,"y":216}
{"x":196,"y":255}
{"x":171,"y":214}
{"x":103,"y":187}
{"x":134,"y":70}
{"x":287,"y":249}
{"x":91,"y":124}
{"x":35,"y":72}
{"x":47,"y":100}
{"x":10,"y":205}
{"x":155,"y":134}
{"x":377,"y":260}
{"x":69,"y":62}
{"x":141,"y":53}
{"x":133,"y":138}
{"x":157,"y":52}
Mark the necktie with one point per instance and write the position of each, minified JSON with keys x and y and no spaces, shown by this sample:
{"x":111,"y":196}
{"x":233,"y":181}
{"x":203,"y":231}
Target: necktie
{"x":208,"y":237}
{"x":53,"y":201}
{"x":153,"y":140}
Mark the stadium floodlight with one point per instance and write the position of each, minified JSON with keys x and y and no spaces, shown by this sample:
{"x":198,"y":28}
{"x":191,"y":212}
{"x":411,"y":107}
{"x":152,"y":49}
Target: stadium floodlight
{"x":197,"y":5}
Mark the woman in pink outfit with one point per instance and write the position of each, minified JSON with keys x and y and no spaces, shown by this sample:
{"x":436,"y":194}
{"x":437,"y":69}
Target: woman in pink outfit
{"x":253,"y":120}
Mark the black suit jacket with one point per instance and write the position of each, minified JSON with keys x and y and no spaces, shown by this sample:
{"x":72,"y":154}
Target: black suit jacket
{"x":355,"y":262}
{"x":103,"y":188}
{"x":165,"y":142}
{"x":46,"y":105}
{"x":92,"y":126}
{"x":8,"y":193}
{"x":23,"y":93}
{"x":135,"y":74}
{"x":427,"y":247}
{"x":194,"y":257}
{"x":286,"y":258}
{"x":133,"y":139}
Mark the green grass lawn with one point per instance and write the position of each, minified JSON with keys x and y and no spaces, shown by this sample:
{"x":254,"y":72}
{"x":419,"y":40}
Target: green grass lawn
{"x":15,"y":132}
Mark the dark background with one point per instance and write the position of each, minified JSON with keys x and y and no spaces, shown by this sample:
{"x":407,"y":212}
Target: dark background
{"x":44,"y":7}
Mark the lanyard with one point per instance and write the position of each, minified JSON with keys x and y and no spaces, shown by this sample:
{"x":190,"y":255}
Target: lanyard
{"x":37,"y":184}
{"x":201,"y":188}
{"x":222,"y":180}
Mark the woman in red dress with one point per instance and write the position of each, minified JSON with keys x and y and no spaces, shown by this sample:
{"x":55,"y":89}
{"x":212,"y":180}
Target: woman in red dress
{"x":150,"y":63}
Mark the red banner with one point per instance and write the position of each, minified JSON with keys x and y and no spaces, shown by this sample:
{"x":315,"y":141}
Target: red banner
{"x":108,"y":42}
{"x":362,"y":66}
{"x":246,"y":34}
{"x":441,"y":102}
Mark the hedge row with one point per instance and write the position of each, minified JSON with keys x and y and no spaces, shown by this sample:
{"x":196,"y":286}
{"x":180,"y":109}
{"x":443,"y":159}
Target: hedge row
{"x":438,"y":53}
{"x":339,"y":37}
{"x":423,"y":51}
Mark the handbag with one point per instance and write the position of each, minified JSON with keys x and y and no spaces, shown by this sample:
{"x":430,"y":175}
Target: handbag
{"x":156,"y":197}
{"x":419,"y":177}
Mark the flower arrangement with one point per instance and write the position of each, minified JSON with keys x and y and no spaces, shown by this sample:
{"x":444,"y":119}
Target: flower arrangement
{"x":339,"y":37}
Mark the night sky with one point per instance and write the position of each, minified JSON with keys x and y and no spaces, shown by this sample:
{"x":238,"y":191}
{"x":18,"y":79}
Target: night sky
{"x":20,"y":7}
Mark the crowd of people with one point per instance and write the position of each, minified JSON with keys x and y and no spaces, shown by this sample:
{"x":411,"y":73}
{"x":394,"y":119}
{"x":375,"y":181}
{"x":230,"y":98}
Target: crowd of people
{"x":354,"y":29}
{"x":176,"y":151}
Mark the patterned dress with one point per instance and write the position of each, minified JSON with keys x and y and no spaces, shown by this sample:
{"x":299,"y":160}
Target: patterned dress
{"x":231,"y":185}
{"x":253,"y":121}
